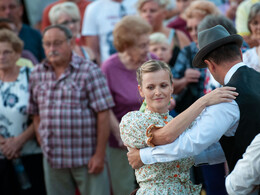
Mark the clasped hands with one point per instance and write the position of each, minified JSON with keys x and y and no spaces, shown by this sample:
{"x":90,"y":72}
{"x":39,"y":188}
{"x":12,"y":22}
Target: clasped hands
{"x":10,"y":147}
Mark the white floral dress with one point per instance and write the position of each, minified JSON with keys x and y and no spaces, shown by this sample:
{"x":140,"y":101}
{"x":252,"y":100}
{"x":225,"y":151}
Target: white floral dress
{"x":159,"y":178}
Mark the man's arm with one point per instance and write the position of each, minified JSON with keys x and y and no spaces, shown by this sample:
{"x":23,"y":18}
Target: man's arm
{"x":246,"y":174}
{"x":208,"y":128}
{"x":176,"y":126}
{"x":96,"y":163}
{"x":36,"y":123}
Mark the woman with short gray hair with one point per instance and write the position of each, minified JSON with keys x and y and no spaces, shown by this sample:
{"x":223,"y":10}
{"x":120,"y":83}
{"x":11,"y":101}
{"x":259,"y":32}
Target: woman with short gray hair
{"x":68,"y":14}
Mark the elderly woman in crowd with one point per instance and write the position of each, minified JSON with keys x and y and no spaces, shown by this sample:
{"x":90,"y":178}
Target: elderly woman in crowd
{"x":252,"y":56}
{"x":16,"y":130}
{"x":153,"y":11}
{"x":131,"y":39}
{"x":253,"y":24}
{"x":68,"y":14}
{"x":189,"y":82}
{"x":179,"y":22}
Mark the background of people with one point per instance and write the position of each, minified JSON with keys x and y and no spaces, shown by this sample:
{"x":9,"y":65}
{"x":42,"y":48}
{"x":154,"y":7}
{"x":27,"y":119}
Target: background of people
{"x":131,"y":39}
{"x":17,"y":133}
{"x":172,"y":38}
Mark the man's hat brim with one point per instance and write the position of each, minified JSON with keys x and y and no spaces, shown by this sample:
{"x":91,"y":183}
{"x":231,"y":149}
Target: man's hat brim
{"x":198,"y":59}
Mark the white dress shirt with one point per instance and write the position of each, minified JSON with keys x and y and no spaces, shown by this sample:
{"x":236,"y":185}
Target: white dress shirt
{"x":214,"y":122}
{"x":246,"y":174}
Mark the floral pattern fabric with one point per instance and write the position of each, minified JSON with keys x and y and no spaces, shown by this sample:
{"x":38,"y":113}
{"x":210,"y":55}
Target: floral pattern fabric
{"x":159,"y":178}
{"x":13,"y":116}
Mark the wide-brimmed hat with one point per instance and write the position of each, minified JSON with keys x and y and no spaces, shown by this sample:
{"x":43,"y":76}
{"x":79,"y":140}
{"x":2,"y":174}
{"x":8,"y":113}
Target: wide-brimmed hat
{"x":210,"y":39}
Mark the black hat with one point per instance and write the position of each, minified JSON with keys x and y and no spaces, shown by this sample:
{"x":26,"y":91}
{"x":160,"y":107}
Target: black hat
{"x":210,"y":39}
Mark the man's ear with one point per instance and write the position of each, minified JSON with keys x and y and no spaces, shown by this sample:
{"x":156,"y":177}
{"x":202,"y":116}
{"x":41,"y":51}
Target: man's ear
{"x":140,"y":91}
{"x":211,"y":65}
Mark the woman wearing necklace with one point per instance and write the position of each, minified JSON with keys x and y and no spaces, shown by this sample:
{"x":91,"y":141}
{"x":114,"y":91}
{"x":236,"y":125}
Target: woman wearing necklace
{"x":16,"y":131}
{"x":155,"y":84}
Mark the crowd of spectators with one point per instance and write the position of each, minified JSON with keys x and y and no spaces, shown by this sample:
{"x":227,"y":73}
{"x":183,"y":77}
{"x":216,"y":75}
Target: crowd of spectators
{"x":68,"y":76}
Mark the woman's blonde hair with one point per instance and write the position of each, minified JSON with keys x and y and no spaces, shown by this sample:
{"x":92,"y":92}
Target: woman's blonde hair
{"x":201,"y":8}
{"x":69,"y":8}
{"x":158,"y":38}
{"x":10,"y":37}
{"x":162,"y":3}
{"x":128,"y":30}
{"x":152,"y":66}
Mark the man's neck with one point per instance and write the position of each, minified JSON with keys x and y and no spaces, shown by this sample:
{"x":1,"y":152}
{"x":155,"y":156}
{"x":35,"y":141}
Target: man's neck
{"x":227,"y":66}
{"x":59,"y":69}
{"x":19,"y":26}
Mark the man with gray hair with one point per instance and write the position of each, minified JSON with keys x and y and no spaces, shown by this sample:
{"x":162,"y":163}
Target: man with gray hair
{"x":70,"y":102}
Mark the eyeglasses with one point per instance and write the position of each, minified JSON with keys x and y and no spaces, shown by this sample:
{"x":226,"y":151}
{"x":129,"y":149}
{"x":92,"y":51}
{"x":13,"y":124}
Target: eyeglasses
{"x":68,"y":22}
{"x":190,"y":28}
{"x":10,"y":7}
{"x":56,"y":43}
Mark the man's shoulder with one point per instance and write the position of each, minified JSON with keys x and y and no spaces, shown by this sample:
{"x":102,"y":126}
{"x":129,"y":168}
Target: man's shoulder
{"x":29,"y":31}
{"x":85,"y":66}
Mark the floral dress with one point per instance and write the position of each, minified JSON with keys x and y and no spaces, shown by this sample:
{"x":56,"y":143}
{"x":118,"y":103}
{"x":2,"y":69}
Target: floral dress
{"x":159,"y":178}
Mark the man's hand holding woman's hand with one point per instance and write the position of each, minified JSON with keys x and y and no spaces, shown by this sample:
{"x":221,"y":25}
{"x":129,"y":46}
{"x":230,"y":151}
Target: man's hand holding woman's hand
{"x":134,"y":158}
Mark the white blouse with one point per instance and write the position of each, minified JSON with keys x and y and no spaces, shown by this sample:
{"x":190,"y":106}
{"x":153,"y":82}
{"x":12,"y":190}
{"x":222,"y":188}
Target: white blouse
{"x":14,"y":98}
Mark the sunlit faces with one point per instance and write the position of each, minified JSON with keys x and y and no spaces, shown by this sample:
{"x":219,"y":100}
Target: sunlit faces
{"x":138,"y":52}
{"x":254,"y":26}
{"x":56,"y":46}
{"x":162,"y":51}
{"x":156,"y":89}
{"x":72,"y":23}
{"x":152,"y":13}
{"x":8,"y":56}
{"x":192,"y":25}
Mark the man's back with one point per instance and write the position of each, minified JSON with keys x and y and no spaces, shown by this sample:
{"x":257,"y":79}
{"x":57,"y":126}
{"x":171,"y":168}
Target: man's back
{"x":247,"y":81}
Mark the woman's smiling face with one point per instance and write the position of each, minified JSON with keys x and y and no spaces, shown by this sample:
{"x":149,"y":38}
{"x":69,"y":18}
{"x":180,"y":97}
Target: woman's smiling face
{"x":156,"y":89}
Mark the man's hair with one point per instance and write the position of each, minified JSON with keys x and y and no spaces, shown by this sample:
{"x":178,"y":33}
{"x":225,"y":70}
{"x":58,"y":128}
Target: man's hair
{"x":225,"y":53}
{"x":63,"y":28}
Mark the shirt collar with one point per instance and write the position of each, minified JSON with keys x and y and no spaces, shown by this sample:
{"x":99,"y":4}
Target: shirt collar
{"x":232,"y":71}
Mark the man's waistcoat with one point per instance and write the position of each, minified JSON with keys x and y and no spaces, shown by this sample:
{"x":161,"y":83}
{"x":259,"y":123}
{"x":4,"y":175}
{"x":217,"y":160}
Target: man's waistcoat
{"x":247,"y":83}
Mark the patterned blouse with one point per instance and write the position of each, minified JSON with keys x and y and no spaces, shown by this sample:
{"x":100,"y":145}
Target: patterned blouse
{"x":159,"y":178}
{"x":13,"y":116}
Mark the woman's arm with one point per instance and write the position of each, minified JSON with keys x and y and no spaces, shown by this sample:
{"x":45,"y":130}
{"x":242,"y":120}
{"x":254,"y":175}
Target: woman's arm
{"x":114,"y":126}
{"x":176,"y":126}
{"x":13,"y":145}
